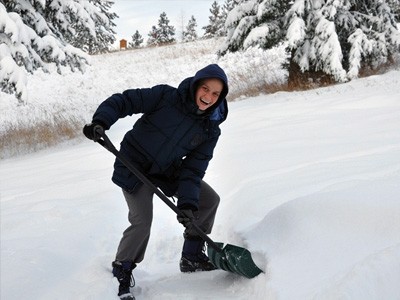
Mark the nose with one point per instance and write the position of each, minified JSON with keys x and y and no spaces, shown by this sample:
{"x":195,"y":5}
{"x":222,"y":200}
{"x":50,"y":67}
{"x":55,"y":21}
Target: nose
{"x":210,"y":96}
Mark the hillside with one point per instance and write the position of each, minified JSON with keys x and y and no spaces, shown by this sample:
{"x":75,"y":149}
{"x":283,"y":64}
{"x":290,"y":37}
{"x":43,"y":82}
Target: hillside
{"x":59,"y":104}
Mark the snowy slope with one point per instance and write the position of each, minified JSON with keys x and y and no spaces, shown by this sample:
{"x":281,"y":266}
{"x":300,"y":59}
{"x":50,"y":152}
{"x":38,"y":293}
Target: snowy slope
{"x":309,"y":183}
{"x":57,"y":99}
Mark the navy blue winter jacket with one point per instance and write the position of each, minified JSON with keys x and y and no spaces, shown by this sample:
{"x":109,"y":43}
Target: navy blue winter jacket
{"x":171,"y":143}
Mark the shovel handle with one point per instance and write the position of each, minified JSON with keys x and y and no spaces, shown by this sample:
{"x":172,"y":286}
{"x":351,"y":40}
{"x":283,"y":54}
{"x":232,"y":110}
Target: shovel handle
{"x":107,"y":144}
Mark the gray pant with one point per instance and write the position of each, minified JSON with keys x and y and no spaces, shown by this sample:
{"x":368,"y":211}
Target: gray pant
{"x":135,"y":238}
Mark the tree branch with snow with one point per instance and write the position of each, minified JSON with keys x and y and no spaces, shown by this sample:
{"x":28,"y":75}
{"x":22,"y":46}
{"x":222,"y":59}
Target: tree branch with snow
{"x":37,"y":34}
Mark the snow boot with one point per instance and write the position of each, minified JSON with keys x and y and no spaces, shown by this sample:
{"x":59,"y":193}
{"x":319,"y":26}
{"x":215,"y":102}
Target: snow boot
{"x":122,"y":270}
{"x":193,"y":256}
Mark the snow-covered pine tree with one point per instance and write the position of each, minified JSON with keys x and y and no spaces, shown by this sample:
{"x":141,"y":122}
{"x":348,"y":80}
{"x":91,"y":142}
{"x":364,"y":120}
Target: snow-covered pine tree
{"x":103,"y":24}
{"x":190,"y":33}
{"x":137,"y":40}
{"x":395,"y":8}
{"x":36,"y":33}
{"x":153,"y":36}
{"x":226,"y":8}
{"x":166,"y":32}
{"x":334,"y":37}
{"x":215,"y":25}
{"x":373,"y":38}
{"x":162,"y":34}
{"x":255,"y":23}
{"x":342,"y":37}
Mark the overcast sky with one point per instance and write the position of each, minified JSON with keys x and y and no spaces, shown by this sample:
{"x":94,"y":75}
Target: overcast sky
{"x":141,"y":15}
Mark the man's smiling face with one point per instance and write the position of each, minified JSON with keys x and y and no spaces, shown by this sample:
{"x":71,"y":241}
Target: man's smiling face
{"x":208,"y":92}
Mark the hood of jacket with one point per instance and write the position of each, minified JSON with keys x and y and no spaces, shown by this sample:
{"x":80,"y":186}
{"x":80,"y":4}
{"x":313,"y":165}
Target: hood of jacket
{"x":189,"y":86}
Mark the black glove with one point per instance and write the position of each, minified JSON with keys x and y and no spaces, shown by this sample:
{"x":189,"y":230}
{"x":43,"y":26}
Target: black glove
{"x":186,"y":218}
{"x":90,"y":131}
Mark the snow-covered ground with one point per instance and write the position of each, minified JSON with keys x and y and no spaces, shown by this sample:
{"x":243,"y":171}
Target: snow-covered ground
{"x":309,"y":183}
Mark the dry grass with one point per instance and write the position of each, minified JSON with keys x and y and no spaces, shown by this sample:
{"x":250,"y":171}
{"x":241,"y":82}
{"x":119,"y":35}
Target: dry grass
{"x":21,"y":139}
{"x":256,"y":90}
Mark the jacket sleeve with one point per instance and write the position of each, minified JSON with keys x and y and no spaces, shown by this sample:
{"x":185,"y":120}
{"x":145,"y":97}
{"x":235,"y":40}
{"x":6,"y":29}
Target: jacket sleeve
{"x":130,"y":102}
{"x":193,"y":170}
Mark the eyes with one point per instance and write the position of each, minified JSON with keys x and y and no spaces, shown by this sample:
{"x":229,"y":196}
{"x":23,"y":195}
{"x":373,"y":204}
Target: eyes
{"x":207,"y":90}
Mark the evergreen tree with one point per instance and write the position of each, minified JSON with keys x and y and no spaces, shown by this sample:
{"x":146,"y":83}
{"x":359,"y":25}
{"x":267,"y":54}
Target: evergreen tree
{"x":255,"y":23}
{"x":190,"y":33}
{"x":226,"y":8}
{"x":85,"y":24}
{"x":103,"y":25}
{"x":166,"y":32}
{"x":35,"y":34}
{"x":153,"y":37}
{"x":137,"y":40}
{"x":335,"y":37}
{"x":395,"y":8}
{"x":215,"y":26}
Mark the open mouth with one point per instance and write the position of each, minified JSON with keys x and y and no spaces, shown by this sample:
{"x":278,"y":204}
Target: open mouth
{"x":204,"y":102}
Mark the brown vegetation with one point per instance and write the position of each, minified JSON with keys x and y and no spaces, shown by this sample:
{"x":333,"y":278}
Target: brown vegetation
{"x":21,"y":140}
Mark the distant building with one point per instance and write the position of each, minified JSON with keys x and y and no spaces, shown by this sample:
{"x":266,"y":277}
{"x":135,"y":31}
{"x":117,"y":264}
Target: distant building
{"x":122,"y":44}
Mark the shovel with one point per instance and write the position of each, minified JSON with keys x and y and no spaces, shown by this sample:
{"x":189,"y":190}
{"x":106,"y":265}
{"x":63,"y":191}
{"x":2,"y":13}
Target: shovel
{"x":229,"y":258}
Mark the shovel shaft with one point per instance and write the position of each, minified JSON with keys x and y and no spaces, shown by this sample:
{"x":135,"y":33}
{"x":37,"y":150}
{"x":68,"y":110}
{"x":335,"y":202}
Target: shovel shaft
{"x":107,"y":144}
